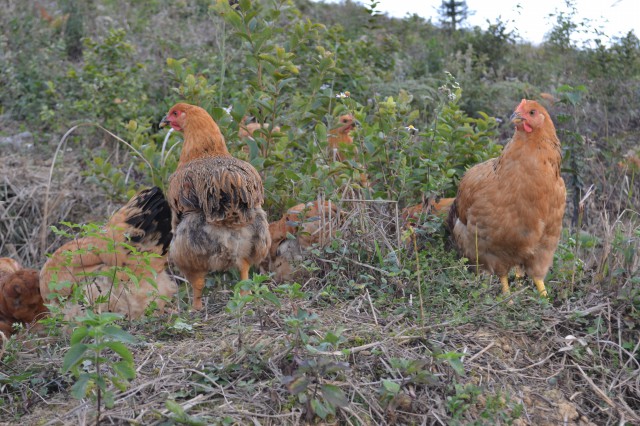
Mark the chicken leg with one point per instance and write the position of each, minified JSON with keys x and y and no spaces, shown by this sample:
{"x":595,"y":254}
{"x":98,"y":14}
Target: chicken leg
{"x":504,"y":280}
{"x":244,"y":275}
{"x":197,"y":282}
{"x":540,"y":286}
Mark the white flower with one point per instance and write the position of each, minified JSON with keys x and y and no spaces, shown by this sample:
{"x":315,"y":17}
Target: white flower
{"x":324,"y":87}
{"x":412,"y":130}
{"x":343,"y":95}
{"x":228,"y":109}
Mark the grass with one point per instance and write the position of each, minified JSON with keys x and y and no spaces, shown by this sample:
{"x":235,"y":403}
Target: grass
{"x":353,"y":343}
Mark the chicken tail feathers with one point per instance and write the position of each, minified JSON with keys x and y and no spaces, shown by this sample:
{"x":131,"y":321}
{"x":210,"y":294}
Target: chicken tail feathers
{"x":224,"y":189}
{"x":149,"y":214}
{"x":452,"y":217}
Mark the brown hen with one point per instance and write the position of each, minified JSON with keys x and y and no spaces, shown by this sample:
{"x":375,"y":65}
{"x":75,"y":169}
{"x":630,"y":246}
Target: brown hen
{"x":508,"y":211}
{"x":103,"y":264}
{"x":216,"y":199}
{"x":411,"y":215}
{"x":310,"y":224}
{"x":247,"y":130}
{"x":339,"y":138}
{"x":20,"y":300}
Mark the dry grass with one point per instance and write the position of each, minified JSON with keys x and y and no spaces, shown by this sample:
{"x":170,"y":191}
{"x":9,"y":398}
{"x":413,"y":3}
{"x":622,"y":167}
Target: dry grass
{"x":558,"y":379}
{"x":23,"y":185}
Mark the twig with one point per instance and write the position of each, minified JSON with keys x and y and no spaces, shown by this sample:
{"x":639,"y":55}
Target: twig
{"x":373,"y":311}
{"x":382,"y":271}
{"x":351,"y":351}
{"x":513,"y":370}
{"x":489,"y":346}
{"x":355,"y":200}
{"x":267,"y":416}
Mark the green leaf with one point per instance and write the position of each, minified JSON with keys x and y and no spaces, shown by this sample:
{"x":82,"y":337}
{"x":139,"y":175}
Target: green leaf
{"x":174,"y":407}
{"x":124,"y":369}
{"x":457,"y":365}
{"x":79,"y":388}
{"x":107,"y":317}
{"x":272,"y":298}
{"x":73,"y":356}
{"x":321,"y":132}
{"x":120,"y":349}
{"x":116,"y":333}
{"x":321,"y":409}
{"x":334,"y":395}
{"x":245,"y":5}
{"x":234,"y":19}
{"x":298,"y":385}
{"x":390,"y":386}
{"x":108,"y":399}
{"x":78,"y":335}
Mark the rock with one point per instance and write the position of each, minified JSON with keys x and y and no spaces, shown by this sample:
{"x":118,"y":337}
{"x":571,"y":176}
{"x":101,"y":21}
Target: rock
{"x":21,"y":140}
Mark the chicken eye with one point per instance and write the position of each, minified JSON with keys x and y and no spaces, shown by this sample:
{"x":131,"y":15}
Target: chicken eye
{"x":532,"y":112}
{"x":175,"y":112}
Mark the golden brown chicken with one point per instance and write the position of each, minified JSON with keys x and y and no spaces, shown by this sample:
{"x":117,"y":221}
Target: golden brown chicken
{"x":102,"y":265}
{"x":508,"y":211}
{"x":247,"y":130}
{"x":339,"y":138}
{"x":216,"y":199}
{"x":310,"y":224}
{"x":412,"y":215}
{"x":20,"y":300}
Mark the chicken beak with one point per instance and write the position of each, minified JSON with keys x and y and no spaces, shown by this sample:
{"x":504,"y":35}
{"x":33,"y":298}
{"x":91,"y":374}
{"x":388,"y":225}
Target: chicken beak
{"x":164,"y":121}
{"x":516,"y":118}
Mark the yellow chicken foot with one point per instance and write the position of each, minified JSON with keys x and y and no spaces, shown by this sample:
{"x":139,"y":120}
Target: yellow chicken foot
{"x":504,"y":280}
{"x":540,"y":286}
